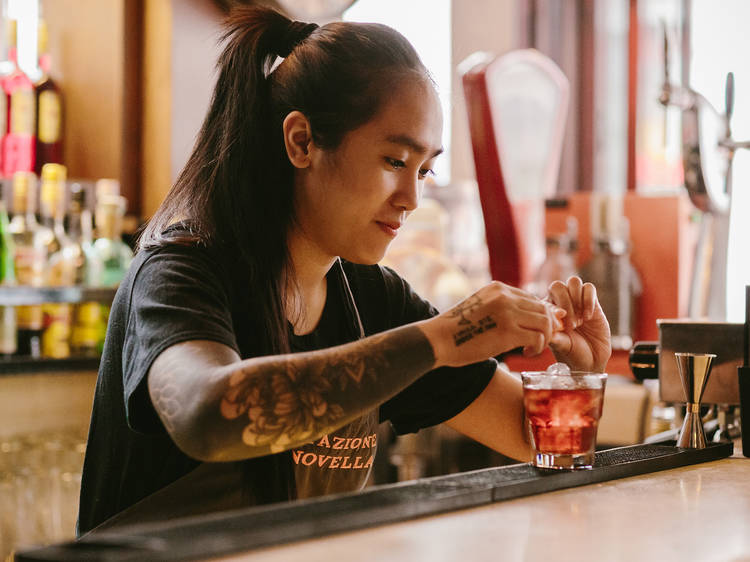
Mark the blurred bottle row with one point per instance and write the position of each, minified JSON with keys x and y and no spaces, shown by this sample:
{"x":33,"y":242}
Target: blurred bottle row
{"x":59,"y":244}
{"x":31,"y":109}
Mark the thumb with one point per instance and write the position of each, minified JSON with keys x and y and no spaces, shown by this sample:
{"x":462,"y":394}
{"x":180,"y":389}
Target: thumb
{"x":561,"y":342}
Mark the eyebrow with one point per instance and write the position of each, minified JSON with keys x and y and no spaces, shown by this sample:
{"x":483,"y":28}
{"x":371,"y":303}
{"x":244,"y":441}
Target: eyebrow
{"x":416,"y":146}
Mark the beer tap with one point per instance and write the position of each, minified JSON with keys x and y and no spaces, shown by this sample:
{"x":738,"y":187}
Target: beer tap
{"x":707,"y":152}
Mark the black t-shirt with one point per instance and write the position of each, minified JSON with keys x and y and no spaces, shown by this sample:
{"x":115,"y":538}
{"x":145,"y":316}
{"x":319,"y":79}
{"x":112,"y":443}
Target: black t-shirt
{"x":177,"y":293}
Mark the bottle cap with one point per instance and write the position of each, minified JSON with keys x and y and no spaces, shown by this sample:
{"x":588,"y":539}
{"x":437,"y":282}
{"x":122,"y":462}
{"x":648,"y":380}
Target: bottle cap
{"x":54,"y":172}
{"x":22,"y":181}
{"x":107,"y":186}
{"x":116,"y":202}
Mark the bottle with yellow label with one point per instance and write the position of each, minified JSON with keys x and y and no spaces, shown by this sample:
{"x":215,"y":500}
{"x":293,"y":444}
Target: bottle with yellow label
{"x":61,"y":267}
{"x":30,"y":256}
{"x":18,"y":144}
{"x":49,"y":109}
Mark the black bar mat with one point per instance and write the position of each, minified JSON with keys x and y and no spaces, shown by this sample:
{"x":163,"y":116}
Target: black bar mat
{"x":237,"y":531}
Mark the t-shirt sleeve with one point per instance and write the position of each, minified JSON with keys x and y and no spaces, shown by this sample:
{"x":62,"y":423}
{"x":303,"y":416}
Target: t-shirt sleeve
{"x":441,"y":393}
{"x":178,"y":294}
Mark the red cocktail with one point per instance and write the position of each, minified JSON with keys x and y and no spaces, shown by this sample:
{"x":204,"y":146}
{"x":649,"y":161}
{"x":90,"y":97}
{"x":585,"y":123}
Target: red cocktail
{"x":562,"y":412}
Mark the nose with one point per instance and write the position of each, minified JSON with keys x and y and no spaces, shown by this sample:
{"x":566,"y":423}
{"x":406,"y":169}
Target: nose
{"x":408,"y":194}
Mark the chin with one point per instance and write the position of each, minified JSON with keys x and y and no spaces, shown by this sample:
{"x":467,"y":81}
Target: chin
{"x":364,"y":258}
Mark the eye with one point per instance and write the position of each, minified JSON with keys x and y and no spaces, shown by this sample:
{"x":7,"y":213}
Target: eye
{"x":424,"y":172}
{"x":394,"y":163}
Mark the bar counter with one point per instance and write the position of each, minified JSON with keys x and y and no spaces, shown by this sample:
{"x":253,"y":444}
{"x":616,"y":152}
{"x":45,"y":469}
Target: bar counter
{"x":645,"y":502}
{"x":699,"y":512}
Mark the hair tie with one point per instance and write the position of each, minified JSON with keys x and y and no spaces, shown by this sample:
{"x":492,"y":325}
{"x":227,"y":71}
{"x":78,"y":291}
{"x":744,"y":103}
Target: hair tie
{"x":296,"y":32}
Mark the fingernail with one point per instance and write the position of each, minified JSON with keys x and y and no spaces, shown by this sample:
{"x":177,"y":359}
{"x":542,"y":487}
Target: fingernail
{"x":561,"y":312}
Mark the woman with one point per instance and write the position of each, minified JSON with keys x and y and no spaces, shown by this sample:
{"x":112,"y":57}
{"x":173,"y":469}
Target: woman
{"x":254,"y":346}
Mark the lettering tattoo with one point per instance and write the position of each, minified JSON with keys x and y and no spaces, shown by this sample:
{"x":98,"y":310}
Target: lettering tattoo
{"x":473,"y":330}
{"x":469,"y":329}
{"x":293,"y":399}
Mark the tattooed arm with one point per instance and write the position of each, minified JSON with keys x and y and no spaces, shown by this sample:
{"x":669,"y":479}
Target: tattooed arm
{"x":217,"y":407}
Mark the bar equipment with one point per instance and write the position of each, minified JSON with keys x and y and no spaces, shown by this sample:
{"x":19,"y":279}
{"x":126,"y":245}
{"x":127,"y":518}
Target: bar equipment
{"x":517,"y":105}
{"x":658,"y":360}
{"x":707,"y":152}
{"x":695,"y":369}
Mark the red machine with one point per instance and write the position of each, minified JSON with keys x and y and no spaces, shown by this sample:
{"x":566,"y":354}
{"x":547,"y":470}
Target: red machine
{"x":517,"y":104}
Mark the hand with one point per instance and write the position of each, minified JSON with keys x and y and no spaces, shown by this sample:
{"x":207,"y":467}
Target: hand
{"x":584,"y":342}
{"x":495,"y":319}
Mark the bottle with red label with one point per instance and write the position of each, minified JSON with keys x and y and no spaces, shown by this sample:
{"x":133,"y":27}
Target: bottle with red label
{"x":49,"y":109}
{"x":18,"y":146}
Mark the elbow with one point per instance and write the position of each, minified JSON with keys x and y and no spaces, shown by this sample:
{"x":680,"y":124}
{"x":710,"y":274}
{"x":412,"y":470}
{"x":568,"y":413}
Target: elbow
{"x":190,"y":441}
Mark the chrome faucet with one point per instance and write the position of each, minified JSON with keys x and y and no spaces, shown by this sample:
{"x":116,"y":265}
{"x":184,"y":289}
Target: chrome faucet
{"x":707,"y":152}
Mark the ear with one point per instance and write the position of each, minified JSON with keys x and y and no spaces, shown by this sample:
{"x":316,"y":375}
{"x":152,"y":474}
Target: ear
{"x":297,"y":139}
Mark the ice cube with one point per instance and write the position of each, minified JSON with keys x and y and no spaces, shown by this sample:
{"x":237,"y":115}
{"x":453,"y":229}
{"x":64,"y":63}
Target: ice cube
{"x":558,"y":369}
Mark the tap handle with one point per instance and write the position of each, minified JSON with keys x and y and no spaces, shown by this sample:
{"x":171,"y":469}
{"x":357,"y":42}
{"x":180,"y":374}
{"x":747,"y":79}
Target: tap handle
{"x":729,"y":97}
{"x":665,"y":94}
{"x":666,"y":51}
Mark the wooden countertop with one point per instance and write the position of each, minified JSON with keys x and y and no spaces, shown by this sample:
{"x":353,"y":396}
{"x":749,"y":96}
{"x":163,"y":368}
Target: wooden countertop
{"x":698,"y":512}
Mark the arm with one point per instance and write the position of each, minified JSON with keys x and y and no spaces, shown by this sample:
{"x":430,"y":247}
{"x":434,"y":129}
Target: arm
{"x":217,"y":407}
{"x":496,"y":417}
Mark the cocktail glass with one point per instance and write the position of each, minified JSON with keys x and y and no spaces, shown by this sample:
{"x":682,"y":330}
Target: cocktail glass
{"x":562,"y":413}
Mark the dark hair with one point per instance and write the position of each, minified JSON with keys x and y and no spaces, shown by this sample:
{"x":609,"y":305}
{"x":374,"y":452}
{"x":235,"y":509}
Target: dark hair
{"x":236,"y":188}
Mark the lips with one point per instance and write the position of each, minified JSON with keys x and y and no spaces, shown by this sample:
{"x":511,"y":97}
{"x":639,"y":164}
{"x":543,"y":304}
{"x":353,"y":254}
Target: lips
{"x":390,"y":228}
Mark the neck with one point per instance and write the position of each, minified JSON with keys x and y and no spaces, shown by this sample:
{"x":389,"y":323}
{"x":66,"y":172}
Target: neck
{"x":306,"y":293}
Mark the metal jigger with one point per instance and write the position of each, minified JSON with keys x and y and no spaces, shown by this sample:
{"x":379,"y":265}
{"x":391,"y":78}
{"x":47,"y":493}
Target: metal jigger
{"x":694,"y":370}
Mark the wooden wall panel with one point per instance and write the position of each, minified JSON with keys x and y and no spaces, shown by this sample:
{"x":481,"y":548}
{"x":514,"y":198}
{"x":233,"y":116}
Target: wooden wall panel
{"x":86,"y":45}
{"x":157,"y":103}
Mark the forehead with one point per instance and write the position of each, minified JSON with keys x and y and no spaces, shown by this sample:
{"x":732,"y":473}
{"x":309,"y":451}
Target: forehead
{"x":411,"y":111}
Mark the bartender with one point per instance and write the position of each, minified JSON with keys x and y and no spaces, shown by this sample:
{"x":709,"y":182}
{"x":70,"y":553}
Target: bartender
{"x":255,"y":344}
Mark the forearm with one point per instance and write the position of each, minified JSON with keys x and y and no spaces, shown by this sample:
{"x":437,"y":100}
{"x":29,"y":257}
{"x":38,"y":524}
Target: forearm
{"x":265,"y":405}
{"x":496,"y":417}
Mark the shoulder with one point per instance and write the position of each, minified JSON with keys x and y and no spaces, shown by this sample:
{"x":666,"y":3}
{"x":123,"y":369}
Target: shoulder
{"x":166,"y":258}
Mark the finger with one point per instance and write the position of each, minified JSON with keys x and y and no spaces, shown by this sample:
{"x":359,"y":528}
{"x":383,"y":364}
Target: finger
{"x":560,"y":296}
{"x":535,"y":344}
{"x":545,"y":307}
{"x":533,"y":304}
{"x":557,"y":314}
{"x":541,"y":323}
{"x":589,"y":300}
{"x":575,"y":290}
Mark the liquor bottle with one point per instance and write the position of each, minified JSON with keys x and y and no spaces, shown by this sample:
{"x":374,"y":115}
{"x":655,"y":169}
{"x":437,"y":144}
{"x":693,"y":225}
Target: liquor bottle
{"x":111,"y":256}
{"x":68,"y":265}
{"x":60,"y":270}
{"x":18,"y":144}
{"x":8,"y":327}
{"x":618,"y":284}
{"x":29,"y":240}
{"x":49,"y":109}
{"x":89,"y":325}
